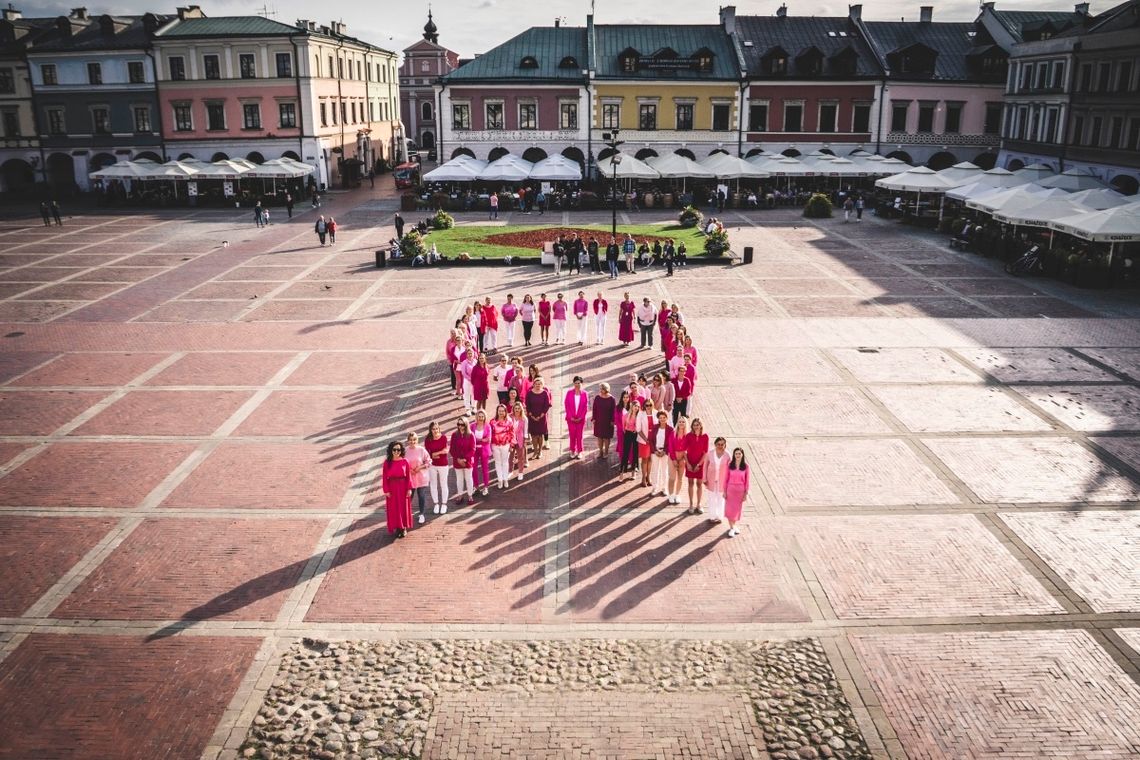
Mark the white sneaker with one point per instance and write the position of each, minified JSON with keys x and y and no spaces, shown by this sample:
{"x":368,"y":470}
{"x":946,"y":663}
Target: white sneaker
{"x":484,"y":490}
{"x":520,"y":477}
{"x":443,"y":509}
{"x":421,"y":520}
{"x":435,"y":510}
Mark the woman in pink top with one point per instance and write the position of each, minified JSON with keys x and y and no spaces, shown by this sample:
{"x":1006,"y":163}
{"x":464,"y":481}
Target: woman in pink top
{"x":480,"y":382}
{"x":677,"y":475}
{"x":482,"y":432}
{"x":716,"y":470}
{"x":735,"y":490}
{"x":449,"y":356}
{"x":502,"y":437}
{"x":689,"y":349}
{"x":581,"y":311}
{"x":419,"y":462}
{"x":663,"y":314}
{"x":510,"y":313}
{"x":396,"y":484}
{"x":490,"y":326}
{"x":469,"y":361}
{"x":696,"y":445}
{"x":543,"y":319}
{"x":526,"y":316}
{"x":558,"y":311}
{"x":518,"y":446}
{"x":576,"y":405}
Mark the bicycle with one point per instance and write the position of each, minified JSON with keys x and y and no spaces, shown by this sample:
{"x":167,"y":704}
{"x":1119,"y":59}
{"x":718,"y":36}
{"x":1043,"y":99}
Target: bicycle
{"x":1029,"y":263}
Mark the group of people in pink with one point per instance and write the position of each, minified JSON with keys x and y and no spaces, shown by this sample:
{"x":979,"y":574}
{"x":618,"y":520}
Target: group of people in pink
{"x":656,"y":440}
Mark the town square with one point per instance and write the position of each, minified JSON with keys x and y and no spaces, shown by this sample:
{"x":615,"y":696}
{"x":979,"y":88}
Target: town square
{"x":265,"y":491}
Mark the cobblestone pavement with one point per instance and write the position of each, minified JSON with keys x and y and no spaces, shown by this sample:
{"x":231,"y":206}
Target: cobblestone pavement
{"x":942,"y":523}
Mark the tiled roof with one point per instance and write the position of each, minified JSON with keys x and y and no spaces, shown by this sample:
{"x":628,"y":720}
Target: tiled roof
{"x":685,"y":40}
{"x":87,"y":34}
{"x":952,"y":41}
{"x":831,"y":35}
{"x":547,"y":45}
{"x":24,"y":32}
{"x":1018,"y":23}
{"x":1120,"y":17}
{"x":229,"y":26}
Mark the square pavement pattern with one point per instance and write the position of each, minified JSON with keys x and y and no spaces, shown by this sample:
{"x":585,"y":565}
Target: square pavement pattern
{"x":944,"y":466}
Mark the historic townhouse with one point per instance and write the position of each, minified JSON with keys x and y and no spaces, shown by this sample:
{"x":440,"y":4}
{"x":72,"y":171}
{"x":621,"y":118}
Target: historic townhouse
{"x":1073,"y":97}
{"x":93,"y":82}
{"x":812,"y":82}
{"x":21,"y":161}
{"x":527,"y":96}
{"x":425,"y":62}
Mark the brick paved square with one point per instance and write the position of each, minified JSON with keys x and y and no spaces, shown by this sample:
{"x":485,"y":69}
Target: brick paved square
{"x":252,"y":368}
{"x":9,"y":450}
{"x":930,"y":306}
{"x":262,"y":274}
{"x":153,"y":412}
{"x":120,"y":274}
{"x":1098,"y":408}
{"x":72,"y":291}
{"x":195,"y":311}
{"x":1096,"y":553}
{"x":38,"y":274}
{"x":950,"y":409}
{"x":316,"y":415}
{"x":97,"y":697}
{"x":794,"y":411}
{"x":389,"y":372}
{"x":1032,"y":470}
{"x":988,"y":286}
{"x":904,"y":365}
{"x":42,"y":412}
{"x":461,"y":568}
{"x":266,"y":476}
{"x":762,"y":270}
{"x":823,"y":473}
{"x":1033,"y":694}
{"x":623,"y":723}
{"x":33,"y":311}
{"x":235,"y":291}
{"x":325,"y":290}
{"x":15,"y":363}
{"x":90,"y":370}
{"x":35,"y":552}
{"x":899,"y":287}
{"x":197,"y":569}
{"x":804,"y":287}
{"x":1033,"y":306}
{"x":830,"y":306}
{"x":677,"y":569}
{"x":917,"y":566}
{"x":9,"y":289}
{"x":1126,"y":360}
{"x":314,"y":310}
{"x":1127,"y":448}
{"x":714,"y":307}
{"x":410,"y":308}
{"x":767,"y":366}
{"x":88,"y":474}
{"x":1040,"y":365}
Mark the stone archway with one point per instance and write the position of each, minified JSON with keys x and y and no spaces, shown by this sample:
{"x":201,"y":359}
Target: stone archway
{"x":718,"y":150}
{"x":1125,"y":184}
{"x":290,"y":154}
{"x":219,"y":156}
{"x":985,"y":161}
{"x":686,"y":153}
{"x":497,"y":153}
{"x":791,"y":153}
{"x":534,"y":155}
{"x":941,"y":160}
{"x":255,"y":157}
{"x":1014,"y":164}
{"x":149,"y":155}
{"x":575,"y":154}
{"x":462,"y":152}
{"x":61,"y":171}
{"x":901,"y":155}
{"x":16,"y":176}
{"x":754,"y":152}
{"x":645,"y":153}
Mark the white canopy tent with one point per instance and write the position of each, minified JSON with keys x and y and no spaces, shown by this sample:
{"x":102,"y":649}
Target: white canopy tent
{"x":725,"y":166}
{"x":458,"y":169}
{"x":1038,"y":214}
{"x":917,"y":180}
{"x":1101,"y":198}
{"x":228,"y":169}
{"x":280,"y":168}
{"x":673,"y":165}
{"x":508,"y":168}
{"x":172,"y":170}
{"x":1074,"y":180}
{"x":1034,"y":172}
{"x":625,"y":166}
{"x":991,"y":202}
{"x":1114,"y":225}
{"x":789,"y":167}
{"x":961,"y":174}
{"x":556,"y":168}
{"x":125,"y":170}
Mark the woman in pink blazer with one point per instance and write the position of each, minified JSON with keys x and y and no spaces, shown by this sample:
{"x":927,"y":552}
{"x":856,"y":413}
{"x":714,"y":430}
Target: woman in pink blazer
{"x":577,"y":407}
{"x":661,"y":446}
{"x":482,"y":432}
{"x":716,"y":473}
{"x":518,"y":444}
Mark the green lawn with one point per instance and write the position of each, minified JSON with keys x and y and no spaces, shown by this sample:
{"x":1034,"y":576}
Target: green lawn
{"x":471,"y":239}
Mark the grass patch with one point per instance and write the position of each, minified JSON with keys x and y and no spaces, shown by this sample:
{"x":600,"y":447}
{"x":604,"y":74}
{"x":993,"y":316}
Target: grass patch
{"x":471,"y":239}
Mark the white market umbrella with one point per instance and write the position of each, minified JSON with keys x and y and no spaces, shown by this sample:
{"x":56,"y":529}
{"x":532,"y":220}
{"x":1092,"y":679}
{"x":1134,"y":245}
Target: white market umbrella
{"x":1034,"y":172}
{"x":1038,"y":214}
{"x":556,"y":169}
{"x":626,"y":167}
{"x":1101,"y":198}
{"x":508,"y":168}
{"x":1114,"y":225}
{"x":724,"y":166}
{"x":124,"y":170}
{"x":673,"y":165}
{"x":172,"y":170}
{"x":457,"y":170}
{"x":993,"y":201}
{"x":228,"y":169}
{"x":973,"y":191}
{"x":278,"y":168}
{"x":919,"y":179}
{"x":961,"y":174}
{"x":1074,"y":180}
{"x":842,"y":167}
{"x":789,"y":167}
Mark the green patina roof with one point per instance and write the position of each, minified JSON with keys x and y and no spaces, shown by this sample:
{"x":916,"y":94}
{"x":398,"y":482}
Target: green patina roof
{"x":229,"y":26}
{"x":548,"y":46}
{"x":684,"y":40}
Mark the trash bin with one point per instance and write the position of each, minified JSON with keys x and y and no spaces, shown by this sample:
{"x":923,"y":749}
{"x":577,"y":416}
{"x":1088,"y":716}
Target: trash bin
{"x":747,"y":255}
{"x":381,"y":258}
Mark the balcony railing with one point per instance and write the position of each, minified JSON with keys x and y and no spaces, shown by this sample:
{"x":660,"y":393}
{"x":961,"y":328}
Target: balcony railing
{"x":932,"y":138}
{"x":512,"y":135}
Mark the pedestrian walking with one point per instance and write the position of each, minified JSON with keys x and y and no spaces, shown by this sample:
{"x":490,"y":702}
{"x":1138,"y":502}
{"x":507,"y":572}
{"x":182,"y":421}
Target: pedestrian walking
{"x":647,"y":321}
{"x":540,"y":199}
{"x":510,"y":313}
{"x":526,"y":316}
{"x":860,"y":204}
{"x":612,"y":253}
{"x":399,"y":220}
{"x":559,"y":310}
{"x":321,"y":228}
{"x":462,"y":451}
{"x":848,"y":209}
{"x":257,"y":218}
{"x":436,"y":445}
{"x":735,"y":490}
{"x":602,"y":415}
{"x":696,"y":445}
{"x":289,"y":204}
{"x":626,"y":311}
{"x":537,"y":406}
{"x":395,"y":482}
{"x":55,"y":213}
{"x":581,"y":310}
{"x":494,"y":206}
{"x":45,"y":212}
{"x":372,"y":178}
{"x":629,"y":248}
{"x":716,"y":471}
{"x":601,"y":311}
{"x":331,"y":226}
{"x":543,"y":319}
{"x":419,"y":463}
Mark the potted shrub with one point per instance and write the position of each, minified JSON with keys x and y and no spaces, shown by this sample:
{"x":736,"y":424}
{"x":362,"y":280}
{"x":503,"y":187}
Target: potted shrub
{"x":716,"y":243}
{"x":442,"y":220}
{"x":818,"y":206}
{"x":408,"y":202}
{"x":412,"y":245}
{"x":690,"y":217}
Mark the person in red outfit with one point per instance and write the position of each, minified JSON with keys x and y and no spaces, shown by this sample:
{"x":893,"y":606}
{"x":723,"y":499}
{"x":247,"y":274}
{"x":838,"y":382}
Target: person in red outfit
{"x":490,"y":326}
{"x":395,"y":481}
{"x":480,"y":382}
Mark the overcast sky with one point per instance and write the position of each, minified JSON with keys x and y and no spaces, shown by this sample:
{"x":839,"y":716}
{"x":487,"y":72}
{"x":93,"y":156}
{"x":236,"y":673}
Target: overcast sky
{"x":473,"y":26}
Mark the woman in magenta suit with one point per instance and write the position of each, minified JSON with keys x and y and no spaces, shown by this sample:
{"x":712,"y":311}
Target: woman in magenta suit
{"x":735,"y":490}
{"x":626,"y":311}
{"x":518,"y":420}
{"x":462,"y":451}
{"x":543,"y":319}
{"x":577,"y":406}
{"x":395,"y":481}
{"x":480,"y":385}
{"x":482,"y":432}
{"x":696,"y":445}
{"x":619,"y":418}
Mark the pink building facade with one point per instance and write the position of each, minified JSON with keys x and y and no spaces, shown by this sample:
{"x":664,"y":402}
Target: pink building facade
{"x":955,"y":122}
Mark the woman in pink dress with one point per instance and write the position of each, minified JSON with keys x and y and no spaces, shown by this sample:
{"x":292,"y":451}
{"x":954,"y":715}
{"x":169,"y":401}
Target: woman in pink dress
{"x":735,"y":490}
{"x":626,"y":311}
{"x":482,"y":432}
{"x":663,"y":314}
{"x":519,"y":421}
{"x":696,"y":444}
{"x":576,"y":406}
{"x":543,"y":319}
{"x":602,"y":413}
{"x":677,"y":475}
{"x":395,"y":481}
{"x":480,"y":382}
{"x":619,"y":418}
{"x":716,"y":471}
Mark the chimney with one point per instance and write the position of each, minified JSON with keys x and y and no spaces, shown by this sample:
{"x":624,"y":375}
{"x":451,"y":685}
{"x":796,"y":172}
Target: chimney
{"x":1082,"y":9}
{"x":988,"y":6}
{"x":926,"y":14}
{"x":557,"y":22}
{"x":782,"y":11}
{"x":79,"y":14}
{"x":11,"y":14}
{"x":855,"y":12}
{"x":728,"y":19}
{"x":190,"y":11}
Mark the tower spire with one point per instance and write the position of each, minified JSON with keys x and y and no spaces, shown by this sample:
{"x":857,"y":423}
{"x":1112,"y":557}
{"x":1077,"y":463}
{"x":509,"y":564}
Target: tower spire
{"x":431,"y":31}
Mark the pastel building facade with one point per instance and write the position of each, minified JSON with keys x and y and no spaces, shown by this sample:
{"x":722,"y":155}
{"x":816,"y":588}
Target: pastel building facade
{"x":20,"y":158}
{"x":425,"y":62}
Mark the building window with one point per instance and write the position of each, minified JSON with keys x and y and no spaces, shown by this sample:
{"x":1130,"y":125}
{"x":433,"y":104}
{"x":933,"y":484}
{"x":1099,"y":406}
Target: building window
{"x":993,"y":119}
{"x":1078,"y":129}
{"x":371,"y":110}
{"x":94,"y":73}
{"x":287,"y":115}
{"x":182,"y":119}
{"x":758,"y":117}
{"x":1042,"y":76}
{"x":48,"y":73}
{"x":11,"y":123}
{"x":861,"y":122}
{"x":461,"y":116}
{"x":425,"y":111}
{"x":424,"y":67}
{"x":629,"y":64}
{"x":925,"y":117}
{"x":528,"y":116}
{"x":953,"y":118}
{"x":142,"y":119}
{"x":793,"y":117}
{"x":684,"y":116}
{"x":177,"y":66}
{"x":7,"y":81}
{"x":284,"y":65}
{"x":1104,"y":73}
{"x":55,"y":121}
{"x":828,"y":117}
{"x":215,"y":117}
{"x":331,"y":69}
{"x":494,"y":113}
{"x":611,"y":115}
{"x":568,"y":115}
{"x":340,"y":68}
{"x":528,"y":62}
{"x":332,"y":111}
{"x":1117,"y":132}
{"x":898,"y":116}
{"x":343,"y":112}
{"x":1124,"y":77}
{"x":1086,"y":77}
{"x":246,"y":67}
{"x":1133,"y":135}
{"x":720,"y":113}
{"x":1097,"y":129}
{"x":1051,"y":117}
{"x":647,"y":116}
{"x":359,"y":71}
{"x":211,"y":67}
{"x":1059,"y":75}
{"x":135,"y":72}
{"x":250,"y":116}
{"x":324,"y":115}
{"x":101,"y":121}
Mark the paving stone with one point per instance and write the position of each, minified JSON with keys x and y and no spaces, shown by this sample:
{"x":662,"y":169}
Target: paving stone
{"x":830,"y":306}
{"x":930,"y":306}
{"x":90,"y":370}
{"x":794,"y":411}
{"x":324,"y":309}
{"x":1126,"y":360}
{"x":156,"y":412}
{"x":1040,"y":365}
{"x":316,"y":415}
{"x":1094,"y":408}
{"x":949,"y":409}
{"x":72,"y":291}
{"x":33,"y":311}
{"x":389,"y":372}
{"x":246,"y":368}
{"x":42,"y":412}
{"x":904,"y":365}
{"x":195,"y":311}
{"x":767,"y":365}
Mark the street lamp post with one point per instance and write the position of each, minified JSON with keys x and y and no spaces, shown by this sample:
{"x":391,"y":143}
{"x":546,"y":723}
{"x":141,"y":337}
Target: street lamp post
{"x":612,"y":142}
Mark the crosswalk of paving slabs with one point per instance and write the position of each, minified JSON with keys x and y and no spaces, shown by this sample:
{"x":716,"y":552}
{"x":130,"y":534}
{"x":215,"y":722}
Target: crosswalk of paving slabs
{"x":186,"y":461}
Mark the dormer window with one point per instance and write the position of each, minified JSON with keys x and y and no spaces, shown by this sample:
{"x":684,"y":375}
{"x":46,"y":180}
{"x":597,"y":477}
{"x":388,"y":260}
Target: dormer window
{"x":528,"y":62}
{"x":628,"y":60}
{"x":917,"y":59}
{"x":845,"y":62}
{"x":810,"y":62}
{"x":704,"y":60}
{"x":569,"y":62}
{"x":775,"y":62}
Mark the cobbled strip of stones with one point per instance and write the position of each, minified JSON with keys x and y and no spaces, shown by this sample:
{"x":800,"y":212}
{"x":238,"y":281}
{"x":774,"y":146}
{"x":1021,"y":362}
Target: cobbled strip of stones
{"x":366,"y":699}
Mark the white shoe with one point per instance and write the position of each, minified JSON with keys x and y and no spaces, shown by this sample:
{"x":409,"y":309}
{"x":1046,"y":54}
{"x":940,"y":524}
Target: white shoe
{"x":520,"y":477}
{"x":421,"y":520}
{"x":435,"y":510}
{"x":484,"y":490}
{"x":443,"y":509}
